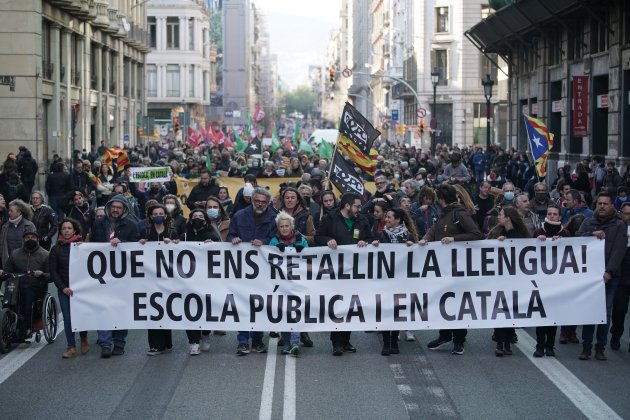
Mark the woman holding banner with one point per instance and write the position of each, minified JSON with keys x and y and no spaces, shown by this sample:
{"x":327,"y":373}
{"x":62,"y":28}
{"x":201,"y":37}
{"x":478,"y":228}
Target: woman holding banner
{"x":292,"y":202}
{"x":510,"y":226}
{"x":218,"y":217}
{"x":158,"y":228}
{"x":399,"y":229}
{"x":199,"y":228}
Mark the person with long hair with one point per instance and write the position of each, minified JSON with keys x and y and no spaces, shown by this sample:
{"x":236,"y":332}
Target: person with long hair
{"x":378,"y":211}
{"x":329,"y":203}
{"x":158,"y":228}
{"x":105,"y":185}
{"x":399,"y":229}
{"x":199,"y":228}
{"x":219,"y":218}
{"x":82,"y":212}
{"x":224,"y":198}
{"x":465,"y":200}
{"x":292,"y":202}
{"x":510,"y":226}
{"x":59,"y":268}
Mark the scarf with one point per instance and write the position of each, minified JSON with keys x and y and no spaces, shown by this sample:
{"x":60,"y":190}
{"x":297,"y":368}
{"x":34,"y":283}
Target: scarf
{"x":16,"y":221}
{"x":397,"y":234}
{"x":70,"y":240}
{"x":602,"y":219}
{"x":288,"y":240}
{"x":552,"y":228}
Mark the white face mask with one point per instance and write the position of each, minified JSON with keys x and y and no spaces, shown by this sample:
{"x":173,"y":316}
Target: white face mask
{"x":170,"y":207}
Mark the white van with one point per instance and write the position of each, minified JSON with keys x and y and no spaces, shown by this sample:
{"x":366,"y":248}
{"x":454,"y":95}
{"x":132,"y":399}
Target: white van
{"x":329,"y":135}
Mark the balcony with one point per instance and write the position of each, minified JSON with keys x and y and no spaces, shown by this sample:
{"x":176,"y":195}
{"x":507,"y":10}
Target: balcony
{"x":113,"y":22}
{"x":123,"y":26}
{"x":47,"y":70}
{"x":102,"y":17}
{"x":92,"y":10}
{"x":400,"y":91}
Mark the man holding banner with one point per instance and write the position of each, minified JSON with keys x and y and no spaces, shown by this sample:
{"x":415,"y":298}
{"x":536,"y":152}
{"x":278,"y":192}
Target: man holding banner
{"x":454,"y":224}
{"x":344,"y":226}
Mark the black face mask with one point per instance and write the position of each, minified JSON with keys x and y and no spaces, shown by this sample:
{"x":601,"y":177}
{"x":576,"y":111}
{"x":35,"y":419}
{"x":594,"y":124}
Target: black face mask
{"x":197,"y":223}
{"x":31,"y":245}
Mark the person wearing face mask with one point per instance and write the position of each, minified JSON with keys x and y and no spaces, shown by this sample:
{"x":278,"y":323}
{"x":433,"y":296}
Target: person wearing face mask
{"x":159,"y":229}
{"x":218,"y":217}
{"x":206,"y":187}
{"x":174,"y":208}
{"x":546,"y":336}
{"x":30,"y":258}
{"x":199,"y":228}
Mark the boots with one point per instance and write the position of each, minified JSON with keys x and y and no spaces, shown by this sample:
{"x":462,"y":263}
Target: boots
{"x":507,"y":348}
{"x":69,"y":353}
{"x":393,"y":341}
{"x":85,"y":346}
{"x":540,"y":351}
{"x":599,"y":355}
{"x":586,"y":353}
{"x":386,"y":343}
{"x":499,"y":350}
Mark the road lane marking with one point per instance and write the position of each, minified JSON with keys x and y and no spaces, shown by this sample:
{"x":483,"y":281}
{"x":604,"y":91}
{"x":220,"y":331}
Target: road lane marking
{"x":288,"y":410}
{"x":19,"y":356}
{"x":575,"y":390}
{"x":266,"y":399}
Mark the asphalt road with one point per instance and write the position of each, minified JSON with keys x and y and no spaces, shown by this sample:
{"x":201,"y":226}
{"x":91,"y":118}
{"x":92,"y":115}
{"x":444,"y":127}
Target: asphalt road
{"x":417,"y":384}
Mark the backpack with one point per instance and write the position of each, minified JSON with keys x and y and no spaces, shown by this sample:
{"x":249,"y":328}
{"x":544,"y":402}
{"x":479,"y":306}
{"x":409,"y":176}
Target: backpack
{"x":12,"y":190}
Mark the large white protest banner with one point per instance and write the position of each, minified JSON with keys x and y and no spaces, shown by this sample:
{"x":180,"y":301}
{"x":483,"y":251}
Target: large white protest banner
{"x":157,"y":174}
{"x":481,"y":284}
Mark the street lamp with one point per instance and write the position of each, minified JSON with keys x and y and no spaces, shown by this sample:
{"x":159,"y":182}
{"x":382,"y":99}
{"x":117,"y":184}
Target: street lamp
{"x":435,"y":78}
{"x":487,"y":92}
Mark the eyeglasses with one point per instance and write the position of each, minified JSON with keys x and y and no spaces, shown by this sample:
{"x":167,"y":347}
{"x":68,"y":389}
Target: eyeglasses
{"x":260,"y":201}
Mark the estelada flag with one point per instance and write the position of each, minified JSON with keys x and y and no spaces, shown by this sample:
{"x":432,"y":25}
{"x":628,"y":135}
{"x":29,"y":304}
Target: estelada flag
{"x":540,"y":143}
{"x":363,"y":161}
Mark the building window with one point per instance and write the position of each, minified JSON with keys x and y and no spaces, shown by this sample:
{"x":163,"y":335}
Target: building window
{"x":599,"y":35}
{"x":480,"y":123}
{"x":487,"y":65}
{"x":113,"y":72}
{"x":439,"y":60}
{"x":191,"y":81}
{"x":191,"y":34}
{"x":47,"y":66}
{"x":554,"y":47}
{"x":152,"y":80}
{"x":172,"y":33}
{"x":172,"y":80}
{"x":152,"y":28}
{"x":575,"y":43}
{"x":441,"y":19}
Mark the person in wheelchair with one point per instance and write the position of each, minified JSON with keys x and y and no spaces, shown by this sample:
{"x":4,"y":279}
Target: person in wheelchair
{"x":32,"y":260}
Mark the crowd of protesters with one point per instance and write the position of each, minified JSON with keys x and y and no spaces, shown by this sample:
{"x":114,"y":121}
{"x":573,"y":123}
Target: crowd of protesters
{"x":493,"y":194}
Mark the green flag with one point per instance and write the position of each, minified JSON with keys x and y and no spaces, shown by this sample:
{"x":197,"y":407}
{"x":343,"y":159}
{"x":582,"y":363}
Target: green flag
{"x":325,"y":150}
{"x":296,"y":133}
{"x":248,"y":127}
{"x":275,"y":140}
{"x":208,"y":161}
{"x":306,"y":148}
{"x":240,"y":145}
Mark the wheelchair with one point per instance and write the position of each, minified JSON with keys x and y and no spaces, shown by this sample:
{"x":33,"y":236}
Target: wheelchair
{"x":14,"y":329}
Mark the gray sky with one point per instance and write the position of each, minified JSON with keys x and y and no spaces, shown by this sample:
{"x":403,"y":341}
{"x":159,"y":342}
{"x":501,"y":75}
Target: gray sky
{"x":299,"y":31}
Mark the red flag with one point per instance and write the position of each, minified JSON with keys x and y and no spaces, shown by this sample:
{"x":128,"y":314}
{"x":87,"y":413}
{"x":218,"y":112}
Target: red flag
{"x":259,"y":114}
{"x":228,"y":139}
{"x":287,"y":144}
{"x":193,"y":137}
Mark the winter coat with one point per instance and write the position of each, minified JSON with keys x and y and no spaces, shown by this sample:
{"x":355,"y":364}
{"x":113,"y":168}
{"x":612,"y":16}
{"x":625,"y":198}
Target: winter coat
{"x":333,"y":226}
{"x":616,"y":240}
{"x":45,"y":224}
{"x":59,"y":265}
{"x":22,"y":261}
{"x":125,"y":229}
{"x":201,"y":193}
{"x":454,"y":222}
{"x":243,"y":225}
{"x":24,"y":225}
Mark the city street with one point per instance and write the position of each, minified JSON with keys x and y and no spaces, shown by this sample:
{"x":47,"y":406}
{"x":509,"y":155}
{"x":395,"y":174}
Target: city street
{"x":35,"y":382}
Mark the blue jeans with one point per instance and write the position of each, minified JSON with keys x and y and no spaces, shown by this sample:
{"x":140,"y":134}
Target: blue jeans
{"x":64,"y":302}
{"x":243,"y":337}
{"x":105,"y":338}
{"x":602,"y":329}
{"x":290,"y":338}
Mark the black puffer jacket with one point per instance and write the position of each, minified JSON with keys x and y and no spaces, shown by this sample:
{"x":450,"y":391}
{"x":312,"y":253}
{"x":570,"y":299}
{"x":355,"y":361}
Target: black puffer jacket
{"x":334,"y":227}
{"x":59,"y":265}
{"x":45,"y":225}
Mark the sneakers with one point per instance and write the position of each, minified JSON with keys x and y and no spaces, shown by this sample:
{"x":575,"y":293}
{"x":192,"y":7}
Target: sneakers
{"x":69,"y":353}
{"x":85,"y":346}
{"x":507,"y":349}
{"x":294,"y":350}
{"x":458,"y":349}
{"x":205,"y":343}
{"x":349,"y":348}
{"x":306,"y":340}
{"x":438,"y":342}
{"x":259,"y":347}
{"x":118,"y":351}
{"x":499,"y":350}
{"x":337,"y":351}
{"x":106,"y":352}
{"x":156,"y":352}
{"x":540,"y":352}
{"x":409,"y":336}
{"x":599,"y":355}
{"x":242,"y":350}
{"x":194,"y":349}
{"x":615,"y":344}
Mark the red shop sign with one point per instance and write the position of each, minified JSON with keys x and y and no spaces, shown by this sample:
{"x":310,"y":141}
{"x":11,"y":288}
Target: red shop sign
{"x":580,"y":105}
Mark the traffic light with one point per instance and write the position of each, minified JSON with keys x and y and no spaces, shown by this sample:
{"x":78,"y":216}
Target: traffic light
{"x":421,"y":127}
{"x":331,"y":73}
